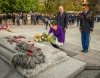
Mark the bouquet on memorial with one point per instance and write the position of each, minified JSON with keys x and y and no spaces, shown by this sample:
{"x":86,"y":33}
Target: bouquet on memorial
{"x":44,"y":38}
{"x":6,"y":27}
{"x":41,"y":38}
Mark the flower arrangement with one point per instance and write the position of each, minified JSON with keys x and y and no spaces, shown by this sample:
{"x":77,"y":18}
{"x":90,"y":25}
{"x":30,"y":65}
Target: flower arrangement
{"x":44,"y":38}
{"x":6,"y":27}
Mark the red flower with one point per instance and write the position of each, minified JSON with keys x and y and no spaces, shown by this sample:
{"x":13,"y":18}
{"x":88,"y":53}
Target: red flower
{"x":13,"y":40}
{"x":30,"y":53}
{"x":19,"y":36}
{"x":29,"y":41}
{"x":38,"y":49}
{"x":87,"y":16}
{"x":62,"y":15}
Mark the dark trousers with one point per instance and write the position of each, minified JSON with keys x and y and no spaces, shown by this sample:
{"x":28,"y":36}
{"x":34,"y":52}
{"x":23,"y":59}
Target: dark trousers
{"x":85,"y":40}
{"x":18,"y":22}
{"x":0,"y":21}
{"x":47,"y":25}
{"x":77,"y":23}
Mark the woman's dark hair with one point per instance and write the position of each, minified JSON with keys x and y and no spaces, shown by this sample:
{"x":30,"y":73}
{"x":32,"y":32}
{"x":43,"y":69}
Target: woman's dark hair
{"x":54,"y":22}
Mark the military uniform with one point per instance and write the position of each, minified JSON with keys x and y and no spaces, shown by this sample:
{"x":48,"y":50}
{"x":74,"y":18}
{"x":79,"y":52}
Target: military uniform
{"x":86,"y":25}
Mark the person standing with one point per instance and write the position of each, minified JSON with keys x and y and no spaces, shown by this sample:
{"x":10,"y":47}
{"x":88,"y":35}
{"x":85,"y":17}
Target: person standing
{"x":78,"y":19}
{"x":0,"y":19}
{"x":5,"y":18}
{"x":29,"y":19}
{"x":73,"y":19}
{"x":21,"y":18}
{"x":13,"y":18}
{"x":18,"y":19}
{"x":9,"y":18}
{"x":46,"y":20}
{"x":70,"y":19}
{"x":62,"y":18}
{"x":86,"y":27}
{"x":33,"y":17}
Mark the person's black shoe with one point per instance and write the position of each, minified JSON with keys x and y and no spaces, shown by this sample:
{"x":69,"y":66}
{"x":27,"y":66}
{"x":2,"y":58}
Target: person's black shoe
{"x":86,"y":51}
{"x":82,"y":51}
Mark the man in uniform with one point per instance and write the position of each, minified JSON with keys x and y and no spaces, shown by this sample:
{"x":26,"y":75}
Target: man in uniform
{"x":86,"y":27}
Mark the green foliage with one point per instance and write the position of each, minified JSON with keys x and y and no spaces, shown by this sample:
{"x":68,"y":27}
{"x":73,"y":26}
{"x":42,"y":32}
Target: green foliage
{"x":48,"y":6}
{"x":51,"y":6}
{"x":18,"y":5}
{"x":52,"y":39}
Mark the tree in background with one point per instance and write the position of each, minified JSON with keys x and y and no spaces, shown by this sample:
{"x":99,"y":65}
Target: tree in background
{"x":72,"y":5}
{"x":51,"y":6}
{"x":48,"y":6}
{"x":18,"y":5}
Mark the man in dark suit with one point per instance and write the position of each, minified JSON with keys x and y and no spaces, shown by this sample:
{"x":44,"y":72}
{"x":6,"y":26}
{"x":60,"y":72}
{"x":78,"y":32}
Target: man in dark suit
{"x":86,"y":27}
{"x":62,"y":19}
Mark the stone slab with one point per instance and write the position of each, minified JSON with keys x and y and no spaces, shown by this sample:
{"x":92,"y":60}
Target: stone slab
{"x":56,"y":60}
{"x":89,"y":60}
{"x":92,"y":67}
{"x":67,"y":69}
{"x":89,"y":74}
{"x":70,"y":49}
{"x":52,"y":56}
{"x":6,"y":71}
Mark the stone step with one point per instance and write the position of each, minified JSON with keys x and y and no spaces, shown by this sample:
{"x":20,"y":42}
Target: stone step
{"x":7,"y":54}
{"x":89,"y":74}
{"x":6,"y":70}
{"x":67,"y":69}
{"x":57,"y":65}
{"x":70,"y":49}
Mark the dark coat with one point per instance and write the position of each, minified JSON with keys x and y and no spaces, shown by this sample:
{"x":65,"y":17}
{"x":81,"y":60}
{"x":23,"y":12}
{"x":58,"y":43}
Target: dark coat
{"x":86,"y":22}
{"x":62,"y":20}
{"x":8,"y":16}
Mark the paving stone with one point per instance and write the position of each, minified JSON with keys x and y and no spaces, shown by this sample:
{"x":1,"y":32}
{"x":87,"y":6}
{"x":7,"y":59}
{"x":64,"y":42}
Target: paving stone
{"x":89,"y":74}
{"x":80,"y":57}
{"x":92,"y":67}
{"x":67,"y":69}
{"x":88,"y":60}
{"x":88,"y":54}
{"x":14,"y":75}
{"x":96,"y":57}
{"x":6,"y":71}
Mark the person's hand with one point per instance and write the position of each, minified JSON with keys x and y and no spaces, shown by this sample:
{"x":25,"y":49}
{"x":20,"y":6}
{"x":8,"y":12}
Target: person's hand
{"x":90,"y":32}
{"x":50,"y":34}
{"x":80,"y":31}
{"x":65,"y":29}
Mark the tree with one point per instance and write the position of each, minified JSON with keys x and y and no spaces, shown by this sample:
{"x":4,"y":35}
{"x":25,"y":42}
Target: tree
{"x":69,"y":5}
{"x":49,"y":6}
{"x":18,"y":5}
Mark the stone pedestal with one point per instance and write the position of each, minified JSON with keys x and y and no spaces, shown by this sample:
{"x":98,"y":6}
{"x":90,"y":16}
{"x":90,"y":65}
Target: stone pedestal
{"x":57,"y":63}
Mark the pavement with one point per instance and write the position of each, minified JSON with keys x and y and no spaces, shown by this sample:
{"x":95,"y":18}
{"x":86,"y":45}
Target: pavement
{"x":72,"y":45}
